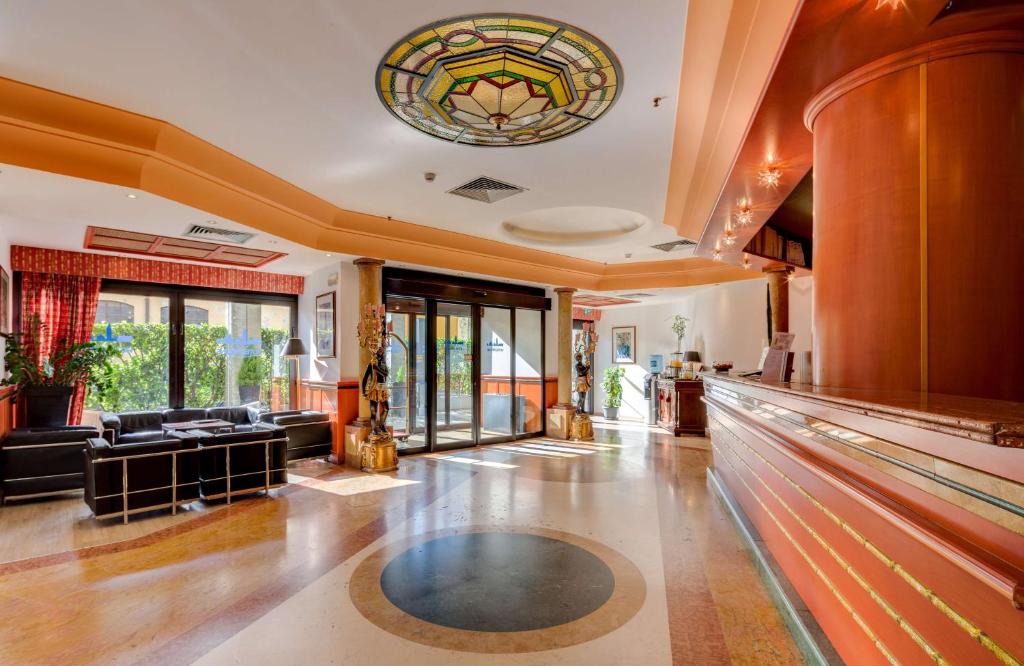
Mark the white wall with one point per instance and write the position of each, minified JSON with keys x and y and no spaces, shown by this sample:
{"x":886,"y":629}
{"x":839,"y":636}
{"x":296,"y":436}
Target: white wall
{"x":345,"y":364}
{"x":728,"y":322}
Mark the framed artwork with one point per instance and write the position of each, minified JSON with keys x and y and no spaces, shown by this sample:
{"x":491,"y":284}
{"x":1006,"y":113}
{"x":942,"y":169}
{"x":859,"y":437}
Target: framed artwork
{"x":624,"y":344}
{"x":326,"y":342}
{"x":5,"y":301}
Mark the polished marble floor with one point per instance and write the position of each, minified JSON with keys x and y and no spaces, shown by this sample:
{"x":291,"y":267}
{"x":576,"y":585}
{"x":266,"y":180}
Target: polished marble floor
{"x":533,"y":552}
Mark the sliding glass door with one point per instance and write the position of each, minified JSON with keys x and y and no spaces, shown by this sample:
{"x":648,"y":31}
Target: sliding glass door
{"x":486,"y":384}
{"x":233,"y":353}
{"x":193,"y":347}
{"x":453,"y":386}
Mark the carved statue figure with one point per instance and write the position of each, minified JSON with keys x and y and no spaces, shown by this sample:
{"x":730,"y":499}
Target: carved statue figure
{"x":583,"y":383}
{"x":374,"y":388}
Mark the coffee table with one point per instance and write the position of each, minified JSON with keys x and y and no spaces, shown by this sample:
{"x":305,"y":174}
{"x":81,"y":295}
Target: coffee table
{"x":213,"y":426}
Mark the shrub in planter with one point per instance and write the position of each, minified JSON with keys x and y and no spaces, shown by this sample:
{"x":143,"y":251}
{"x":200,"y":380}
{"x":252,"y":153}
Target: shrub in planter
{"x":46,"y":385}
{"x":250,"y":378}
{"x":612,"y":385}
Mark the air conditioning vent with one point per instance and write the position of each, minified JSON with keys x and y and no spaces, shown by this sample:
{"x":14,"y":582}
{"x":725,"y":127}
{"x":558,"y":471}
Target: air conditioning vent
{"x":215,"y":234}
{"x":639,"y":294}
{"x":674,"y":245}
{"x":487,"y":190}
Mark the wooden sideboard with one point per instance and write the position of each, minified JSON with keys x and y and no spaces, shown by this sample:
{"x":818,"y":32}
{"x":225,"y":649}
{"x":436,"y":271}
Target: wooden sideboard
{"x":680,"y":409}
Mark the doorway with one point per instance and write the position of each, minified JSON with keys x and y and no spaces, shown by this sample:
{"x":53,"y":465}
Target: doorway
{"x":463,"y":373}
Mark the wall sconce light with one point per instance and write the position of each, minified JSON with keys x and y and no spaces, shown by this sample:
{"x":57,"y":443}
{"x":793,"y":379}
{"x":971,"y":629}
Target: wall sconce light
{"x":728,"y":235}
{"x":746,"y":260}
{"x":744,"y":216}
{"x":717,"y":254}
{"x":769,"y":176}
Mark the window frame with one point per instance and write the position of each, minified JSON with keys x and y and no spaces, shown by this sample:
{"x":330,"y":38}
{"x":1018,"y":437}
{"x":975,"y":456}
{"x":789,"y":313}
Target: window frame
{"x":176,"y":295}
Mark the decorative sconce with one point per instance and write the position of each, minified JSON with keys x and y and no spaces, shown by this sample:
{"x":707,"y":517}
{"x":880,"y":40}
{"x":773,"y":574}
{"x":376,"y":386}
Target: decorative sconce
{"x":717,"y":254}
{"x":769,"y":176}
{"x":746,"y":260}
{"x":728,"y":235}
{"x":744,"y":216}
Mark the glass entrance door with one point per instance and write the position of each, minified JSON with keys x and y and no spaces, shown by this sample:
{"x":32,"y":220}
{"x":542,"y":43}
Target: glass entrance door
{"x":407,"y":381}
{"x":455,"y":410}
{"x":463,"y":374}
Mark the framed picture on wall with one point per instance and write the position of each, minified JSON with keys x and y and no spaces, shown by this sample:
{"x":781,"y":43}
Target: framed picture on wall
{"x":624,"y":344}
{"x":5,"y":301}
{"x":325,"y":320}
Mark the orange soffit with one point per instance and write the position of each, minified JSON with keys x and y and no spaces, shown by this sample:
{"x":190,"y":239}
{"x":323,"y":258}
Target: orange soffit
{"x":120,"y":240}
{"x":596,"y":301}
{"x":64,"y":262}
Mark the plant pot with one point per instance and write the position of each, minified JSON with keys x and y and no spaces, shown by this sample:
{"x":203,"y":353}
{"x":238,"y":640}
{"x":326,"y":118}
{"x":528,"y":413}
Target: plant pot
{"x":611,"y":413}
{"x":248,"y":393}
{"x":47,"y":406}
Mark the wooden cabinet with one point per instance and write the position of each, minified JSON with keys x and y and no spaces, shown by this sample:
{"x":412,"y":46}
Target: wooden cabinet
{"x":680,"y":410}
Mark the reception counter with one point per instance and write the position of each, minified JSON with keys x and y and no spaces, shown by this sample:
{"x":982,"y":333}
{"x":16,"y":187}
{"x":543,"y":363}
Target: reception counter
{"x":898,"y":517}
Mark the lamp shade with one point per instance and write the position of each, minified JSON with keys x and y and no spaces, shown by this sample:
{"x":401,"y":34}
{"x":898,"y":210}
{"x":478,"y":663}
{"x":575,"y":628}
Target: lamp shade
{"x":691,"y":357}
{"x":294,"y":348}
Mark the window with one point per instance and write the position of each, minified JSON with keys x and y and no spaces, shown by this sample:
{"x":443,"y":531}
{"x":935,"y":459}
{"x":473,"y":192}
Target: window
{"x":193,"y":348}
{"x":193,"y":315}
{"x":142,"y":371}
{"x":114,"y":312}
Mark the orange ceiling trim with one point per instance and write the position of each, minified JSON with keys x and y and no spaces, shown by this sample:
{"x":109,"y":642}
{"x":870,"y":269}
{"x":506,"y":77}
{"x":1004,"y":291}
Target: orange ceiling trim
{"x":134,"y":242}
{"x":46,"y":130}
{"x":66,"y":262}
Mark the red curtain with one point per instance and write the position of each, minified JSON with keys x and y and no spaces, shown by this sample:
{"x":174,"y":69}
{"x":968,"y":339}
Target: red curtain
{"x":66,"y":304}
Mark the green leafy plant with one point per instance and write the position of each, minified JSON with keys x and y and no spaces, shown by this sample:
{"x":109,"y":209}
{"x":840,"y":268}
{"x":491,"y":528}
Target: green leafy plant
{"x":611,"y":382}
{"x":679,"y":324}
{"x":70,"y":364}
{"x":253,"y":370}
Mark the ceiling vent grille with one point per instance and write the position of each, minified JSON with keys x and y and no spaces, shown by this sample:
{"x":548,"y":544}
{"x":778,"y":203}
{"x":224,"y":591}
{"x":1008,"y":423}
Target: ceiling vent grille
{"x":674,"y":245}
{"x":638,"y":294}
{"x":215,"y":234}
{"x":487,"y":190}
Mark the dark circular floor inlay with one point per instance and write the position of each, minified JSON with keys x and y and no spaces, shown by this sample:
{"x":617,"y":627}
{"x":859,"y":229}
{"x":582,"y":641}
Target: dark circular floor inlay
{"x":497,"y":581}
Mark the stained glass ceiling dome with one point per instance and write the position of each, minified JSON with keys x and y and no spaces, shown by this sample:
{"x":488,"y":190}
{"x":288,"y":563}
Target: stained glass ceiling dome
{"x":499,"y":79}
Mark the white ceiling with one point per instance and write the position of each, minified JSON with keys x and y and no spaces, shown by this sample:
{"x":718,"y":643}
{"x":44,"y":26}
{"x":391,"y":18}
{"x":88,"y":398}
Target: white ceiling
{"x":289,"y":86}
{"x":48,"y":210}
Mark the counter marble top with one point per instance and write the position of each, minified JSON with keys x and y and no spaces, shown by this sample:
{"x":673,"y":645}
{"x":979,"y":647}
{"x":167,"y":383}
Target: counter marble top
{"x":995,"y":422}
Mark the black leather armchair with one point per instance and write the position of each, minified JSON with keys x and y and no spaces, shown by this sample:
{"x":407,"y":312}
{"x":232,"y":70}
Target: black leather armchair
{"x":122,"y":479}
{"x":309,"y":433}
{"x":133,"y":427}
{"x":43,"y":461}
{"x":237,"y":463}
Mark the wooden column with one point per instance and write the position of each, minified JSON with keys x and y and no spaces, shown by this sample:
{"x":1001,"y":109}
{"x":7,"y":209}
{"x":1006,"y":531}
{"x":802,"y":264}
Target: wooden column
{"x":358,"y":430}
{"x":559,"y":418}
{"x":918,"y":234}
{"x":778,"y":297}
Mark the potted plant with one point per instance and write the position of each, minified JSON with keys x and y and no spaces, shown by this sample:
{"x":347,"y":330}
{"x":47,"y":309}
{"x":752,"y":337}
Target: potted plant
{"x":612,"y":385}
{"x":679,"y":324}
{"x":47,"y":385}
{"x":250,"y":377}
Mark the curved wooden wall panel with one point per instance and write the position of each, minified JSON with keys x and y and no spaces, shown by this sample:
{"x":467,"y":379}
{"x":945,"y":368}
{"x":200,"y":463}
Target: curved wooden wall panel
{"x":918,"y":227}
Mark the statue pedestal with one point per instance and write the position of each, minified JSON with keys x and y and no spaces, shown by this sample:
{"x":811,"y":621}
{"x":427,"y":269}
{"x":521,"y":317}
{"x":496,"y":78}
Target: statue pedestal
{"x":582,"y":429}
{"x":379,"y":454}
{"x":559,"y":419}
{"x":357,"y":440}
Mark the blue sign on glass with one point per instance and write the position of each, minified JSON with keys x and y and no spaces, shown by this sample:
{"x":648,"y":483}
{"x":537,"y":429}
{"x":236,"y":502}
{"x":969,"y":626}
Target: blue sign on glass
{"x":240,"y":346}
{"x":123,"y":340}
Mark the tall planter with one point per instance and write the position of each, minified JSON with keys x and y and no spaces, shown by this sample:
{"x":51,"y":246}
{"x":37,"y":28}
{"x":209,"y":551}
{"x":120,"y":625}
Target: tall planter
{"x":46,"y":406}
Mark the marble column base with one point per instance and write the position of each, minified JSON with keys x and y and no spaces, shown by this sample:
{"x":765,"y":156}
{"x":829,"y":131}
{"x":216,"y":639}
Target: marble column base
{"x":559,"y":421}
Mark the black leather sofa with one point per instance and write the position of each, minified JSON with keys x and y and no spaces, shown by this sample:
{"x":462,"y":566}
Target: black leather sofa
{"x":126,"y":478}
{"x":35,"y":462}
{"x":309,"y":433}
{"x":238,"y":463}
{"x":134,"y":427}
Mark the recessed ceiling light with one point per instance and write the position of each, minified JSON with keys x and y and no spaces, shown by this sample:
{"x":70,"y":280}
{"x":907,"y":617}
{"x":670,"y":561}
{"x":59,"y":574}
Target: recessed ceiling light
{"x":328,"y":254}
{"x":132,"y":196}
